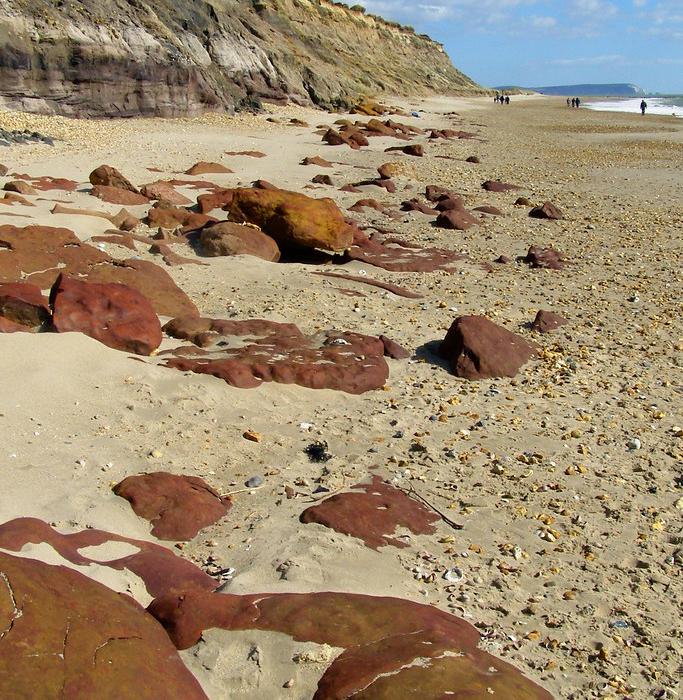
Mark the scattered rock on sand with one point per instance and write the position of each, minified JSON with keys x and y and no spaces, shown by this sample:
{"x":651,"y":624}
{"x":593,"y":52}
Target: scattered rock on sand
{"x":316,"y":160}
{"x":546,"y":211}
{"x":118,"y":195}
{"x":74,"y":638}
{"x":204,"y":168}
{"x":107,"y":176}
{"x":178,"y":507}
{"x":544,"y":258}
{"x":477,"y":348}
{"x":456,"y":219}
{"x":114,"y":314}
{"x":229,"y":238}
{"x":497,"y":186}
{"x":372,"y":512}
{"x":547,"y":321}
{"x":292,"y":218}
{"x":279,"y":352}
{"x":20,"y":186}
{"x":391,"y":646}
{"x":164,"y":190}
{"x":393,"y":349}
{"x":157,"y":566}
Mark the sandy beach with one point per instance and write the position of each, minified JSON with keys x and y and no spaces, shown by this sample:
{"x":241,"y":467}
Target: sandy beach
{"x":564,"y":481}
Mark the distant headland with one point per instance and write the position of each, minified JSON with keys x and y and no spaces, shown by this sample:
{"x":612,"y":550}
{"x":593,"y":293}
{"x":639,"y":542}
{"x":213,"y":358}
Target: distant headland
{"x":597,"y":89}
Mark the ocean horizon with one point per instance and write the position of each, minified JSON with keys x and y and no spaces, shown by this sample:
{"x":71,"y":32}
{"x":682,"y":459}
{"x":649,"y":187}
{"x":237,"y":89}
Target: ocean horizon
{"x":665,"y":106}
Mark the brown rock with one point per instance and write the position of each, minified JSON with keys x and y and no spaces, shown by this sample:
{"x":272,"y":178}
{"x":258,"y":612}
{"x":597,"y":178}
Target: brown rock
{"x":7,"y":326}
{"x":322,"y":180}
{"x":292,"y":218}
{"x":413,"y":149}
{"x":545,"y":258}
{"x":66,"y":636}
{"x":503,"y":260}
{"x":477,"y":348}
{"x":203,"y":168}
{"x":172,"y":258}
{"x":316,"y":160}
{"x":389,"y":170}
{"x":393,"y":349}
{"x":23,"y":303}
{"x":497,"y":186}
{"x":416,"y":205}
{"x":372,"y":512}
{"x":174,"y":217}
{"x":457,"y":219}
{"x":214,"y":200}
{"x":251,"y":154}
{"x":159,"y":569}
{"x":117,"y":195}
{"x":547,"y":211}
{"x":393,"y":649}
{"x":489,"y":209}
{"x":19,"y":186}
{"x":106,"y":176}
{"x":436,"y":192}
{"x":114,"y":314}
{"x":253,"y":352}
{"x":150,"y":280}
{"x":361,"y":204}
{"x":177,"y":506}
{"x":228,"y":238}
{"x":547,"y":321}
{"x":448,"y":202}
{"x":13,"y":198}
{"x":261,"y":184}
{"x":472,"y":159}
{"x":163,"y":189}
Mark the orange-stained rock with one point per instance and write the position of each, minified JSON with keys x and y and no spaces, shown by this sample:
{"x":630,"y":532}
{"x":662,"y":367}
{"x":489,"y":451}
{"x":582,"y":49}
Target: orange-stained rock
{"x":118,"y":195}
{"x":23,"y":303}
{"x":372,"y":512}
{"x":158,"y":567}
{"x":229,"y":238}
{"x":292,"y":218}
{"x":251,"y":154}
{"x":477,"y":348}
{"x":19,"y":186}
{"x":247,"y":353}
{"x":65,"y":636}
{"x":393,"y":649}
{"x":177,"y":506}
{"x":114,"y":314}
{"x":203,"y":168}
{"x":107,"y":176}
{"x":11,"y":198}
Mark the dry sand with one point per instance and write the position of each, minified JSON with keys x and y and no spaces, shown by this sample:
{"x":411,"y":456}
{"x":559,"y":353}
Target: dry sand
{"x":594,"y":613}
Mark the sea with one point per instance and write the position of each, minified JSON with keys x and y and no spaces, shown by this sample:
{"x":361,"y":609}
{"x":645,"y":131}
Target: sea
{"x":671,"y":106}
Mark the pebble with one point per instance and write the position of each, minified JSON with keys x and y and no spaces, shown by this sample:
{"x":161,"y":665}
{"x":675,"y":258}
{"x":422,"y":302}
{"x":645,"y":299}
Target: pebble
{"x":633,"y":444}
{"x":254,"y":482}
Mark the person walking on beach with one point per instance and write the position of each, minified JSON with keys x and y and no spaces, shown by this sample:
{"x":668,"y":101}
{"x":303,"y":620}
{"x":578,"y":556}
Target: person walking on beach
{"x":573,"y":102}
{"x":569,"y":103}
{"x":643,"y":107}
{"x":507,"y":99}
{"x":578,"y":102}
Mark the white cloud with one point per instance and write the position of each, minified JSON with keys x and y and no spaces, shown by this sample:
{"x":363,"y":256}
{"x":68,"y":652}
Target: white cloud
{"x":543,"y":22}
{"x":598,"y":9}
{"x":590,"y":60}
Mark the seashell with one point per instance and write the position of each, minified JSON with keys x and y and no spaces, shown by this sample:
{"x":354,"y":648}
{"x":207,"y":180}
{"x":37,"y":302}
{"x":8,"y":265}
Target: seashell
{"x":453,"y":575}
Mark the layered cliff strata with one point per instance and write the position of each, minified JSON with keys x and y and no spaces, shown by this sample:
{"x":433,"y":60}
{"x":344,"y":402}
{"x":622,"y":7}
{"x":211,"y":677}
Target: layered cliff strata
{"x":182,"y":57}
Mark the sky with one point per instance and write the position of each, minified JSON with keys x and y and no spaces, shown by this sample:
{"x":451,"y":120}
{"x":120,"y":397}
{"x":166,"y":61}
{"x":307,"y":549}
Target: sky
{"x":533,"y":43}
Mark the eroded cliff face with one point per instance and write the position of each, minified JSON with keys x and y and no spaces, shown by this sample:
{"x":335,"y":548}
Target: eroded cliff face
{"x":182,"y":57}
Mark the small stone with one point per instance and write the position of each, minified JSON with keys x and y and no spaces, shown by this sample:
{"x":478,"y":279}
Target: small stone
{"x":254,"y":482}
{"x":251,"y":435}
{"x":156,"y":454}
{"x":288,"y":684}
{"x":633,"y":444}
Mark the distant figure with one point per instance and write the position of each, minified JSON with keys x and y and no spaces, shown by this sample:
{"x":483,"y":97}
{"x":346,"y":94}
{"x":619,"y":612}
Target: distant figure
{"x":569,"y":103}
{"x":643,"y":107}
{"x":507,"y":99}
{"x":495,"y":99}
{"x":573,"y":102}
{"x":578,"y":102}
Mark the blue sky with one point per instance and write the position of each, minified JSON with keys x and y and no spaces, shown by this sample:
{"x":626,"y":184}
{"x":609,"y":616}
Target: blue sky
{"x":553,"y":42}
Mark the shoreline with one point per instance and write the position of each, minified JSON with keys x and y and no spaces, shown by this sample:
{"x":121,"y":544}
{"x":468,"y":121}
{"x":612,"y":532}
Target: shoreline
{"x":550,"y":445}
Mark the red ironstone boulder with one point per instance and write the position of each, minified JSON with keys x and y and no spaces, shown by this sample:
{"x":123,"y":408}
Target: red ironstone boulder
{"x":477,"y":348}
{"x":372,"y":512}
{"x":497,"y":186}
{"x":544,"y":258}
{"x":547,"y":321}
{"x":164,"y":190}
{"x":316,"y":160}
{"x":20,"y":186}
{"x":7,"y":326}
{"x":546,"y":211}
{"x":292,"y":218}
{"x":174,"y":217}
{"x":457,"y":219}
{"x":229,"y":238}
{"x":107,"y":176}
{"x":158,"y":567}
{"x":394,"y":649}
{"x":23,"y":303}
{"x":203,"y":168}
{"x":177,"y":506}
{"x":65,"y":636}
{"x":247,"y":353}
{"x":114,"y":314}
{"x":118,"y":195}
{"x":393,"y":350}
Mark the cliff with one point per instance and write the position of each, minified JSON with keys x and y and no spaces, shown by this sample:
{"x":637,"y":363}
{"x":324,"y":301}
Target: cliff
{"x":182,"y":57}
